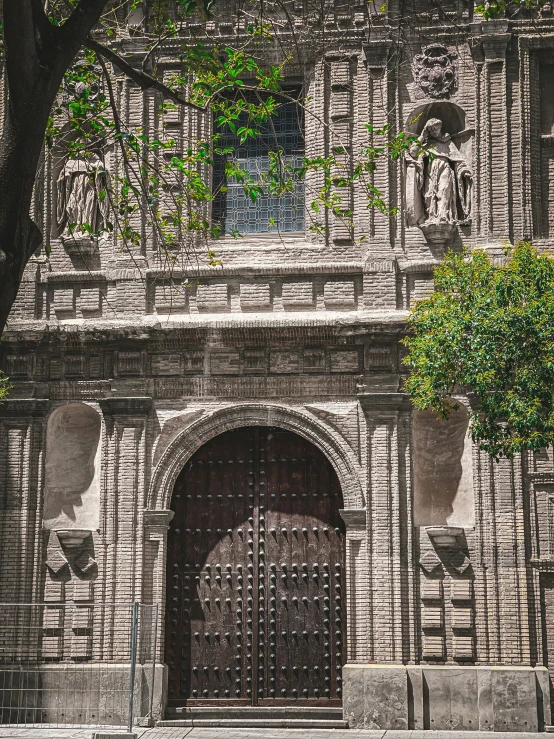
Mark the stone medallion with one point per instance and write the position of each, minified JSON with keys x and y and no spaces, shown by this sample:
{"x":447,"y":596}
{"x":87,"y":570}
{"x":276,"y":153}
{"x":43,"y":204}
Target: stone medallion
{"x":434,"y":71}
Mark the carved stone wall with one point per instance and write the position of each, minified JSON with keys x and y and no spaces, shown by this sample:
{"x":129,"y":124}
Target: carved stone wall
{"x":303,"y":333}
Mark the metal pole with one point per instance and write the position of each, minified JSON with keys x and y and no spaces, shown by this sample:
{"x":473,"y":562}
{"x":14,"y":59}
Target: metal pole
{"x":154,"y":648}
{"x":134,"y":627}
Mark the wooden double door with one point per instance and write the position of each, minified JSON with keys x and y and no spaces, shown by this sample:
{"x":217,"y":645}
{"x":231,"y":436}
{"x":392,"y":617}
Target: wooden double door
{"x":255,"y":609}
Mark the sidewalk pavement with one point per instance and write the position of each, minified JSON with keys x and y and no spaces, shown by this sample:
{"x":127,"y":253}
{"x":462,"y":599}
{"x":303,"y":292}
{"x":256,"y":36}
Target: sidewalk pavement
{"x":12,"y":732}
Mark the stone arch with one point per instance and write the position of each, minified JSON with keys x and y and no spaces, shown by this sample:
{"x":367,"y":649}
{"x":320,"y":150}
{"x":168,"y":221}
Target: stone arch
{"x":187,"y":441}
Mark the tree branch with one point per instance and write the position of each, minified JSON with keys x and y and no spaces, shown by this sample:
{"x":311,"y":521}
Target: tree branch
{"x":141,"y":78}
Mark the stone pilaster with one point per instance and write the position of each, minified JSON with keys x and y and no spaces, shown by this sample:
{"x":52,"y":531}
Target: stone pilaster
{"x":156,"y":525}
{"x":491,"y":39}
{"x":389,"y":526}
{"x":357,"y":582}
{"x":123,"y":500}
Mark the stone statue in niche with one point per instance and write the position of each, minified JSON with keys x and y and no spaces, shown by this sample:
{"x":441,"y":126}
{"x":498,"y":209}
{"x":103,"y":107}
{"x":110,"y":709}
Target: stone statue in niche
{"x":438,"y":184}
{"x":78,"y":200}
{"x":434,"y":71}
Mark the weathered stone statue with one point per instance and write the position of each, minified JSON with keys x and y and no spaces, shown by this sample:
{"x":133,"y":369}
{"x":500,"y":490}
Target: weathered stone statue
{"x":79,"y":182}
{"x":438,"y":183}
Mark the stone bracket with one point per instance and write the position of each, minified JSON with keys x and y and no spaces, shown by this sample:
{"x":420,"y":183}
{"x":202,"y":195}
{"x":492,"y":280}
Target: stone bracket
{"x":354,"y":518}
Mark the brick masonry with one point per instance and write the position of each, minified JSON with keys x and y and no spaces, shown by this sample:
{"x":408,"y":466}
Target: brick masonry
{"x":305,"y":335}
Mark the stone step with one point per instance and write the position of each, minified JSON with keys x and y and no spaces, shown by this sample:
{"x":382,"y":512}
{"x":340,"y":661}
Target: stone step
{"x":255,"y":712}
{"x":257,"y":723}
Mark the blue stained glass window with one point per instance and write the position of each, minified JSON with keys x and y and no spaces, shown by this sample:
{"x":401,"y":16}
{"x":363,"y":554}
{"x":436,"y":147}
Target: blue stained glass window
{"x":233,"y":209}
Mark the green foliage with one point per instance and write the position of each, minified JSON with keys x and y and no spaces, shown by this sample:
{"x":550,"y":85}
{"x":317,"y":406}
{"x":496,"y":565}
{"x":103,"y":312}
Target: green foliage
{"x":489,"y":329}
{"x":166,"y":184}
{"x":506,"y":8}
{"x":4,"y":387}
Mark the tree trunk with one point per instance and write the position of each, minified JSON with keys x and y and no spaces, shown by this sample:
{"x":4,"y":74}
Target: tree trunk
{"x":37,"y":56}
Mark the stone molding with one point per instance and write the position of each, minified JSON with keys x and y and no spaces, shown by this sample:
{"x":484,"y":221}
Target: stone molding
{"x":24,"y":407}
{"x":494,"y":37}
{"x":188,"y":440}
{"x":132,"y":406}
{"x":377,"y":49}
{"x":376,"y":402}
{"x":157,"y":518}
{"x":354,"y":518}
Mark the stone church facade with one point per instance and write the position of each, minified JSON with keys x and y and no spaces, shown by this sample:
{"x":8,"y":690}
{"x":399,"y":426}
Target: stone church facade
{"x":128,"y":396}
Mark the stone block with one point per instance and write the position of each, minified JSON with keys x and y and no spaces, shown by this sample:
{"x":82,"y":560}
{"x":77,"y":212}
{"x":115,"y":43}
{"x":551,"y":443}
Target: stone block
{"x":375,"y":696}
{"x":452,"y":698}
{"x":514,"y":699}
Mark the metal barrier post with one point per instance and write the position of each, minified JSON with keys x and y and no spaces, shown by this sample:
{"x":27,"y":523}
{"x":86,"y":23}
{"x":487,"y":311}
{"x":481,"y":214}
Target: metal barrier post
{"x":134,"y":628}
{"x":154,"y":648}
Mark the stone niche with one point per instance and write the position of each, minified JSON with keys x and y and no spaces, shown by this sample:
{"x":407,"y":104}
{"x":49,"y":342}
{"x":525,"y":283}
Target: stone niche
{"x":443,"y":469}
{"x":72,"y":484}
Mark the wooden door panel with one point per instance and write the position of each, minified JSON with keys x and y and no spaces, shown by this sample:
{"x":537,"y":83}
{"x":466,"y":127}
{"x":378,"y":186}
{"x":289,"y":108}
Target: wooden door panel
{"x":255,"y":569}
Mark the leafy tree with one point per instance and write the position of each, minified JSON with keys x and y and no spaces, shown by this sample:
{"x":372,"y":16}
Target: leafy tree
{"x":488,"y":328}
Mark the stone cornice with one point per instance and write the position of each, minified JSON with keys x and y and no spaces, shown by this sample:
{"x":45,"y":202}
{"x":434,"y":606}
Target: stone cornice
{"x":24,"y":408}
{"x":131,"y":406}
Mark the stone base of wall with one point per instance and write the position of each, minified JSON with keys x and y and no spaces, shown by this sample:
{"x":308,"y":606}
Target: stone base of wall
{"x":446,"y":697}
{"x":78,"y":693}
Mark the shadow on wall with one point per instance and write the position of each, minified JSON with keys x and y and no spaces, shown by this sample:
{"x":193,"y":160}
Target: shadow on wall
{"x":72,"y":487}
{"x":443,"y":470}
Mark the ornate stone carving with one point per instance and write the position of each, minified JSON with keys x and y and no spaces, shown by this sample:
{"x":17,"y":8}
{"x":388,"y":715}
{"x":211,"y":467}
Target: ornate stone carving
{"x":435,"y":72}
{"x":438,"y":184}
{"x":79,"y":203}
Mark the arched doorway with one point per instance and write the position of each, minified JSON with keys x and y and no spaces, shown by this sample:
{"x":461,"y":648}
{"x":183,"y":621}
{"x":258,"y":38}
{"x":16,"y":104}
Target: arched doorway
{"x":255,"y":574}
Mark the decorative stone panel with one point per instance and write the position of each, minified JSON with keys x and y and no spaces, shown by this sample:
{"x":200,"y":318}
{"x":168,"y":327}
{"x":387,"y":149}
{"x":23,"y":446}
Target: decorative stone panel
{"x":462,"y":618}
{"x":284,"y":362}
{"x":255,"y":296}
{"x":314,"y":360}
{"x":129,"y":363}
{"x":378,"y":358}
{"x":212,"y":297}
{"x":431,"y":589}
{"x":166,"y":364}
{"x":255,"y":360}
{"x":339,"y":294}
{"x":74,"y":365}
{"x":64,"y":300}
{"x":433,"y":647}
{"x":344,"y":361}
{"x":17,"y":366}
{"x":90,"y":300}
{"x":298,"y":294}
{"x":225,"y":363}
{"x":431,"y":617}
{"x":193,"y":361}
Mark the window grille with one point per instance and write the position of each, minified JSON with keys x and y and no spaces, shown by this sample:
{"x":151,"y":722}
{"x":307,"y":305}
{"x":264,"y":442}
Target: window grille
{"x":233,"y":209}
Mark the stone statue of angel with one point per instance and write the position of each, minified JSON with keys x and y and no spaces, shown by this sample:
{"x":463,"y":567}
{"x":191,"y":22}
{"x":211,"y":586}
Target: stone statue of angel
{"x":81,"y":195}
{"x":439,"y":180}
